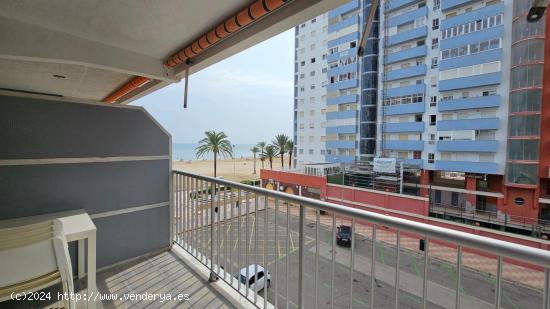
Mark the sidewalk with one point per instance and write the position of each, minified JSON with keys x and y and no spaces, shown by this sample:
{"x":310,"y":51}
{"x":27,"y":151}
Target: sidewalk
{"x":510,"y":272}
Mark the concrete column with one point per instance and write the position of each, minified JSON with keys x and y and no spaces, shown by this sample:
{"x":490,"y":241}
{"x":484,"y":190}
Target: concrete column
{"x":471,"y":199}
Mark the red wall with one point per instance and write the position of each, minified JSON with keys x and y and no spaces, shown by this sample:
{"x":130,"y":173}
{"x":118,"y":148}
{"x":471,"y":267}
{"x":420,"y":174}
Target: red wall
{"x":387,"y":201}
{"x":296,"y":179}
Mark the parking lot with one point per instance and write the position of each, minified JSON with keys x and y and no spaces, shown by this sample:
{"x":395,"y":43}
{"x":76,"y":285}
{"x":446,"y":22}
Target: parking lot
{"x":243,"y":240}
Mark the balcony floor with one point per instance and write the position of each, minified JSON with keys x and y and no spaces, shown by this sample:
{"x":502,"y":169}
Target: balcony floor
{"x":161,"y":273}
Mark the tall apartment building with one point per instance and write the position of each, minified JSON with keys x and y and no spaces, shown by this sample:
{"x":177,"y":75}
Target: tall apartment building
{"x":309,"y":91}
{"x":461,"y":92}
{"x":458,"y":95}
{"x":335,"y":121}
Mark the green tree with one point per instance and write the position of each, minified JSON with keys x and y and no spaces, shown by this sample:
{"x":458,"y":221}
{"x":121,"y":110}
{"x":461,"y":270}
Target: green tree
{"x":217,"y":143}
{"x":262,"y":145}
{"x":280,"y":143}
{"x":290,"y":149}
{"x":255,"y":150}
{"x":269,"y":154}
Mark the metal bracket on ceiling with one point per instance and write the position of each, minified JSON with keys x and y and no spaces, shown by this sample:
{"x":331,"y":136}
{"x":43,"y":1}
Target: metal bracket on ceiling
{"x":188,"y":62}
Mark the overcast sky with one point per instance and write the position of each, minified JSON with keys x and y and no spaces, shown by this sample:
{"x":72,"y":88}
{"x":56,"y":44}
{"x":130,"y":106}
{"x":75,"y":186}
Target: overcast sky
{"x":248,"y":96}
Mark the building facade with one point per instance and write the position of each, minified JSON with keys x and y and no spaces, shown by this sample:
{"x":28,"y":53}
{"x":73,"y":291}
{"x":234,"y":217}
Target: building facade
{"x":309,"y":91}
{"x":453,"y":87}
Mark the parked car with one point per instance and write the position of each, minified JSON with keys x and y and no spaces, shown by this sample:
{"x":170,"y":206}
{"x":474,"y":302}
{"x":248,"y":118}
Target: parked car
{"x":264,"y":277}
{"x":343,"y":236}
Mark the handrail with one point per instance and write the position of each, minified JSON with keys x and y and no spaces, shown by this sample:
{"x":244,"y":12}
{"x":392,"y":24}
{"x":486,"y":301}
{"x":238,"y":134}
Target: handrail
{"x":498,"y":247}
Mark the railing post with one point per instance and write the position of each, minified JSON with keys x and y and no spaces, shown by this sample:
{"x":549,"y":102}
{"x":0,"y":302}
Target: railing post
{"x":302,"y":257}
{"x":213,"y":277}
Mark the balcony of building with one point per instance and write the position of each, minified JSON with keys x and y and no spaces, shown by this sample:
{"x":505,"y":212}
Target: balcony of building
{"x":467,"y":166}
{"x":351,"y":21}
{"x":393,"y":5}
{"x":418,"y":70}
{"x":397,"y":127}
{"x":402,"y":109}
{"x":342,"y":99}
{"x":468,"y":124}
{"x":467,"y":146}
{"x":414,"y":52}
{"x":408,"y":35}
{"x":409,"y":145}
{"x":342,"y":114}
{"x":469,"y":103}
{"x":408,"y":17}
{"x":341,"y":55}
{"x":406,"y":90}
{"x":470,"y":81}
{"x":341,"y":144}
{"x":447,"y":5}
{"x":346,"y":84}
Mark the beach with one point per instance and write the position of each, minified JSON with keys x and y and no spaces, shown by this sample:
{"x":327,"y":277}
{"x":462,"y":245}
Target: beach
{"x":242,"y":169}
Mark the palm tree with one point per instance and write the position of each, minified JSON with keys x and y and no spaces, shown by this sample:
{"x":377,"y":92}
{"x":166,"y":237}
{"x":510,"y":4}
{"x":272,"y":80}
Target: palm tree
{"x":217,"y":143}
{"x":255,"y":150}
{"x":289,"y":149}
{"x":262,"y":145}
{"x":280,"y":142}
{"x":269,"y":154}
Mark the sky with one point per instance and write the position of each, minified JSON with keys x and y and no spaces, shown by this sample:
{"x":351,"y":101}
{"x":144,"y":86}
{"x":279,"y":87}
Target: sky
{"x":249,"y":96}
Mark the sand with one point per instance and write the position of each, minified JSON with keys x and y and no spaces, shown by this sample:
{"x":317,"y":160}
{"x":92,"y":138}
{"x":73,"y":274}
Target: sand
{"x":243,"y":169}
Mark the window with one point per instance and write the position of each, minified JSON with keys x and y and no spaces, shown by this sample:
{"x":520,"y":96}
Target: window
{"x":311,"y":151}
{"x":433,"y":119}
{"x":323,"y":111}
{"x":352,"y":44}
{"x":417,"y":154}
{"x":311,"y":139}
{"x":312,"y":86}
{"x":435,"y":43}
{"x":302,"y":76}
{"x":302,"y":25}
{"x":322,"y":151}
{"x":312,"y":73}
{"x":435,"y":24}
{"x":312,"y":125}
{"x":312,"y":112}
{"x":313,"y":20}
{"x":431,"y":158}
{"x":302,"y":63}
{"x":312,"y":47}
{"x":418,"y":118}
{"x":433,"y":100}
{"x":324,"y":70}
{"x":301,"y":114}
{"x":478,"y":25}
{"x":302,"y":89}
{"x":312,"y":60}
{"x":437,"y":4}
{"x":434,"y":62}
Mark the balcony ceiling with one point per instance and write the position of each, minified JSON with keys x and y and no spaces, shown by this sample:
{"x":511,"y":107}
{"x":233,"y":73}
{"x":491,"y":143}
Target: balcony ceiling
{"x":96,"y":46}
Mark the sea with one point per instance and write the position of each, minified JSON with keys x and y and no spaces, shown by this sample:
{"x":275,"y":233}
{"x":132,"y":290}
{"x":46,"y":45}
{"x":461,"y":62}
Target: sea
{"x":186,"y":151}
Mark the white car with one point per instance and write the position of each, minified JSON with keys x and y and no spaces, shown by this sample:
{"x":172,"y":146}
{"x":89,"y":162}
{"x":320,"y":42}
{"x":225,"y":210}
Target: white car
{"x":263,"y":277}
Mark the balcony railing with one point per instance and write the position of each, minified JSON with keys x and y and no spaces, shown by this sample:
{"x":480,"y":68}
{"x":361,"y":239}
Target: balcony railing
{"x":228,"y":226}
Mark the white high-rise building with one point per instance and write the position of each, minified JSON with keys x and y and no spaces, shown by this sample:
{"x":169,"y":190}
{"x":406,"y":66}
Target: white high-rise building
{"x":310,"y":78}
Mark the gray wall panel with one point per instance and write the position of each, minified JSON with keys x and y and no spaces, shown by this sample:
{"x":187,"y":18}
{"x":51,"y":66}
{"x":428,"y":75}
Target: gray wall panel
{"x":38,"y":129}
{"x":133,"y":234}
{"x":96,"y":187}
{"x":32,"y":129}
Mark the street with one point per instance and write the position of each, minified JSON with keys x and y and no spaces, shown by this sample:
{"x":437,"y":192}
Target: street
{"x":243,"y":240}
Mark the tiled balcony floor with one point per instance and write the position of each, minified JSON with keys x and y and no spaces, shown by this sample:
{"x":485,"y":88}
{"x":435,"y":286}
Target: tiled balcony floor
{"x":161,"y":273}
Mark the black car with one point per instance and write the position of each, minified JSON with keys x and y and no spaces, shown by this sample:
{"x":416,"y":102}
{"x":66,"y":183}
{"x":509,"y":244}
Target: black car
{"x":343,"y":236}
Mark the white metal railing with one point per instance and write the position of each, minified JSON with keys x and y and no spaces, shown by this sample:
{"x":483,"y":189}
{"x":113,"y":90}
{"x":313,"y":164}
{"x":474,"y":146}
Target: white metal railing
{"x":214,"y":218}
